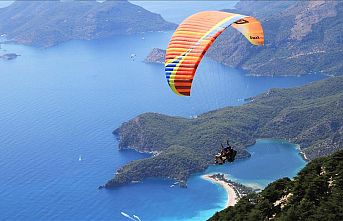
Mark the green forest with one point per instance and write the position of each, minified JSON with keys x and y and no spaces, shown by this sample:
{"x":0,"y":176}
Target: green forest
{"x":311,"y":116}
{"x":314,"y":194}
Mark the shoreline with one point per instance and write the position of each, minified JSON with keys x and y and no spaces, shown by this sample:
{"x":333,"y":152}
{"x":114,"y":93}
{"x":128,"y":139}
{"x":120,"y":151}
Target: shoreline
{"x":152,"y":152}
{"x":230,"y":190}
{"x":302,"y":153}
{"x":297,"y":146}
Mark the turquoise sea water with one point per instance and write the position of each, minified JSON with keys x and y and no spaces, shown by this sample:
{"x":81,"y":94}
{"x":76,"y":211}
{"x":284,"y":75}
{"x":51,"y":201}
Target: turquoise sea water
{"x":61,"y":104}
{"x":270,"y":160}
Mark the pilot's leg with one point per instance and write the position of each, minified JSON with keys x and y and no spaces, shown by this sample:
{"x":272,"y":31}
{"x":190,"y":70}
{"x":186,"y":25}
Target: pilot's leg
{"x":220,"y":160}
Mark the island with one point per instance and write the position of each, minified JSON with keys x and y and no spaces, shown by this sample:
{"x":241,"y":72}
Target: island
{"x":235,"y":191}
{"x":310,"y":116}
{"x":314,"y":194}
{"x":9,"y":56}
{"x":75,"y":20}
{"x":156,"y":56}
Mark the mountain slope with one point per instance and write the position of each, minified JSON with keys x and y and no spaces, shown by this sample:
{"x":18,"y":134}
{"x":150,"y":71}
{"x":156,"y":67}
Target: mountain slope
{"x":311,"y":116}
{"x":47,"y":23}
{"x":314,"y":194}
{"x":301,"y":37}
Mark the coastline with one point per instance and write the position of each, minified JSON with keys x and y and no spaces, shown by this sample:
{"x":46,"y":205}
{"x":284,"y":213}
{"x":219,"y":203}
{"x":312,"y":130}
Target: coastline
{"x":297,"y":146}
{"x":302,"y":153}
{"x":152,"y":152}
{"x":230,"y":190}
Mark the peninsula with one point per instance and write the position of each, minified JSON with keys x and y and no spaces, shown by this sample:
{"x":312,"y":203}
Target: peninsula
{"x":75,"y":20}
{"x":310,"y":116}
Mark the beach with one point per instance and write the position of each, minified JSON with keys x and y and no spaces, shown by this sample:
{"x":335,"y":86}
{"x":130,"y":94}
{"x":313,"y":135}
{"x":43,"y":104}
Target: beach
{"x":231,"y":194}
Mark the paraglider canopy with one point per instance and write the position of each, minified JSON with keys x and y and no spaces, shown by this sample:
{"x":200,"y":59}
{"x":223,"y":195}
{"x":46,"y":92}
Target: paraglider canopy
{"x":194,"y":36}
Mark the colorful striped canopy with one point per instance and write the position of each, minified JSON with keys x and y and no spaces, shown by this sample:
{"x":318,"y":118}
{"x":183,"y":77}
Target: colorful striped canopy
{"x":194,"y":36}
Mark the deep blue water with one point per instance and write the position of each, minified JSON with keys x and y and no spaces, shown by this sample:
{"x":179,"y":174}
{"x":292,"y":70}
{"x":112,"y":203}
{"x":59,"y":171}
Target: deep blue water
{"x":61,"y":103}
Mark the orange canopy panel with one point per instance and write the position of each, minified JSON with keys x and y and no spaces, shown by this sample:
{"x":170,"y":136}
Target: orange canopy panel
{"x":194,"y":36}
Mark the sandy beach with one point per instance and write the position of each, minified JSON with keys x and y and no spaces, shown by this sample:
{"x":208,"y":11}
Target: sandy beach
{"x":231,"y":195}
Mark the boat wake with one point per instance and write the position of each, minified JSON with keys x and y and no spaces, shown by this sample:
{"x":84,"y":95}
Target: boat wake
{"x":134,"y":217}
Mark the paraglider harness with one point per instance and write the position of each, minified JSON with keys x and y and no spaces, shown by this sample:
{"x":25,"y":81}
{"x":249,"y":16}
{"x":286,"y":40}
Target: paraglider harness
{"x":227,"y":153}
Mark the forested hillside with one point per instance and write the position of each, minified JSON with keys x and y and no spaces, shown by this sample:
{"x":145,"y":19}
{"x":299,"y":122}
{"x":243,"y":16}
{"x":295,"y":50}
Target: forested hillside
{"x":301,"y":37}
{"x":314,"y":194}
{"x":311,"y":116}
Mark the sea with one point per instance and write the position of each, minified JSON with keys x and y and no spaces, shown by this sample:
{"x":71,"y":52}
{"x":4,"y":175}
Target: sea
{"x":59,"y":106}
